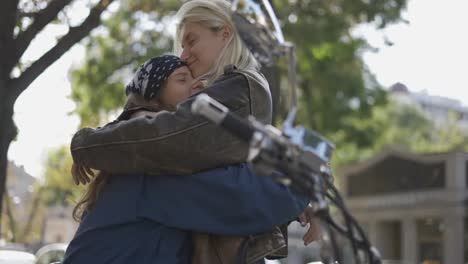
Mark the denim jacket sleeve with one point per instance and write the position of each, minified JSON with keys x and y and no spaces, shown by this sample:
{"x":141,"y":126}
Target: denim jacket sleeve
{"x":176,"y":143}
{"x":226,"y":201}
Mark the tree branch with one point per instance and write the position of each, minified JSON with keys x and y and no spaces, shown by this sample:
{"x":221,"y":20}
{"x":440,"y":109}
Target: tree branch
{"x":74,"y":35}
{"x":22,"y":14}
{"x":32,"y":214}
{"x":41,"y":20}
{"x":8,"y":19}
{"x":11,"y":217}
{"x":7,"y":26}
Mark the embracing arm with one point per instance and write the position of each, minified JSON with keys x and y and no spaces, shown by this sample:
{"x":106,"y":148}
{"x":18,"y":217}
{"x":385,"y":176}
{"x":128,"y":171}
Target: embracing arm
{"x":227,"y":201}
{"x":174,"y":143}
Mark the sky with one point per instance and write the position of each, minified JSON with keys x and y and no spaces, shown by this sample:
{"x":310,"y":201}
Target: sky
{"x":429,"y":54}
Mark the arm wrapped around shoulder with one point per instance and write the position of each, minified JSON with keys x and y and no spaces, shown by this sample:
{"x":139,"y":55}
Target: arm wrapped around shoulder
{"x":174,"y":143}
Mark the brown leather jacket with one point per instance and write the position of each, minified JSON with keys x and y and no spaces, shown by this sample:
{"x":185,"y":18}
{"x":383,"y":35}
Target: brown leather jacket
{"x":181,"y":143}
{"x":176,"y":143}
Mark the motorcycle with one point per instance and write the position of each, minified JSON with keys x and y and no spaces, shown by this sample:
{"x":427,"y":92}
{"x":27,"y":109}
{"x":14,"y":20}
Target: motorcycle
{"x":300,"y":155}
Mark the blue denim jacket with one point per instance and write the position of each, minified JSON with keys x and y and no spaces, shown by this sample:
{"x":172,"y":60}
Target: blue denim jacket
{"x":148,"y":219}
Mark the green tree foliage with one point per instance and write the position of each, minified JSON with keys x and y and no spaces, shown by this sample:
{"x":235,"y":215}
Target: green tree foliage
{"x":58,"y":187}
{"x":333,"y":79}
{"x":397,"y":124}
{"x":136,"y":31}
{"x":21,"y":21}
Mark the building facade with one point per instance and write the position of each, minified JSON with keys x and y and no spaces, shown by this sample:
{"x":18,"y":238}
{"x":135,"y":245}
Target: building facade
{"x":20,"y":191}
{"x":413,"y":207}
{"x":59,"y":226}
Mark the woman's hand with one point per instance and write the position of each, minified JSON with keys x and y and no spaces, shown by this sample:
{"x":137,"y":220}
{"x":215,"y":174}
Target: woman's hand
{"x":81,"y":174}
{"x":308,"y":217}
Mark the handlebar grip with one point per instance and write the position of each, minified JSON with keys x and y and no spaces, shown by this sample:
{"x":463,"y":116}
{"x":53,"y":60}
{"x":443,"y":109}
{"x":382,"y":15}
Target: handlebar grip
{"x":220,"y":115}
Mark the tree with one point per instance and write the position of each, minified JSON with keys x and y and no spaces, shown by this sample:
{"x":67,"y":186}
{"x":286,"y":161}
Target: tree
{"x":133,"y":34}
{"x":27,"y":230}
{"x":21,"y":206}
{"x":400,"y":124}
{"x":334,"y":81}
{"x":20,"y":23}
{"x":58,"y":187}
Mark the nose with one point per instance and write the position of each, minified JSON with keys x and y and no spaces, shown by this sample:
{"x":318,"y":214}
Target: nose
{"x":185,"y":54}
{"x":198,"y":85}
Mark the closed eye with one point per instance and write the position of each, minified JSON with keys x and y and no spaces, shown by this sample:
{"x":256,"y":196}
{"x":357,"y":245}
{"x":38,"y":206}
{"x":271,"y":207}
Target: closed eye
{"x":191,"y":42}
{"x":180,"y":76}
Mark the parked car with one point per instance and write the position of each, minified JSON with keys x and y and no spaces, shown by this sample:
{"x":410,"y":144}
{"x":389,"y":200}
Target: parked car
{"x":10,"y":256}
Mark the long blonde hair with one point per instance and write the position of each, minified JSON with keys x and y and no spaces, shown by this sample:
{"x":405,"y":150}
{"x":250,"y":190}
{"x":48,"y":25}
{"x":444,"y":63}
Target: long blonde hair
{"x":214,"y":15}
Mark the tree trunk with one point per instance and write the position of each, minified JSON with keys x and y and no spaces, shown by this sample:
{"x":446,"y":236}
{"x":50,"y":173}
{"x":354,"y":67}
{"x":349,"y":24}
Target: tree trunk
{"x":7,"y":134}
{"x":32,"y":215}
{"x":10,"y":53}
{"x":11,"y":219}
{"x":311,"y":117}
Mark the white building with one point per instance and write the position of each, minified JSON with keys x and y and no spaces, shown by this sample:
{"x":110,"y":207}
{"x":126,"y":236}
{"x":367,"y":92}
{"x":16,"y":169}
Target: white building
{"x":20,"y":189}
{"x":439,"y":109}
{"x":59,"y":227}
{"x":414,"y":207}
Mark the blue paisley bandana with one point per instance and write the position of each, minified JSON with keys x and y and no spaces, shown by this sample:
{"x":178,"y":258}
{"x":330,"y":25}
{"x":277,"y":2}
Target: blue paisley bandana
{"x":150,"y":76}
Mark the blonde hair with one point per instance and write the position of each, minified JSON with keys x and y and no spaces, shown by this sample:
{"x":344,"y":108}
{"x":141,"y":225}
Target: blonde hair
{"x":215,"y":15}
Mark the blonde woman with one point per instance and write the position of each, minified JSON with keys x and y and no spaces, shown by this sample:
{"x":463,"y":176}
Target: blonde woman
{"x":143,"y":215}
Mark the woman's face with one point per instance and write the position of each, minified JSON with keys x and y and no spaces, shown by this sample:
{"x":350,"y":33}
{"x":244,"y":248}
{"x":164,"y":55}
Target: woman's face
{"x":177,"y":88}
{"x":201,"y":47}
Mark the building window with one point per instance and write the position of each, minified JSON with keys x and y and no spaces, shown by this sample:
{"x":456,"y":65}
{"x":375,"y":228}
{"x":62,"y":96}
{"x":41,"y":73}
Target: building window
{"x":430,"y":240}
{"x":397,"y":175}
